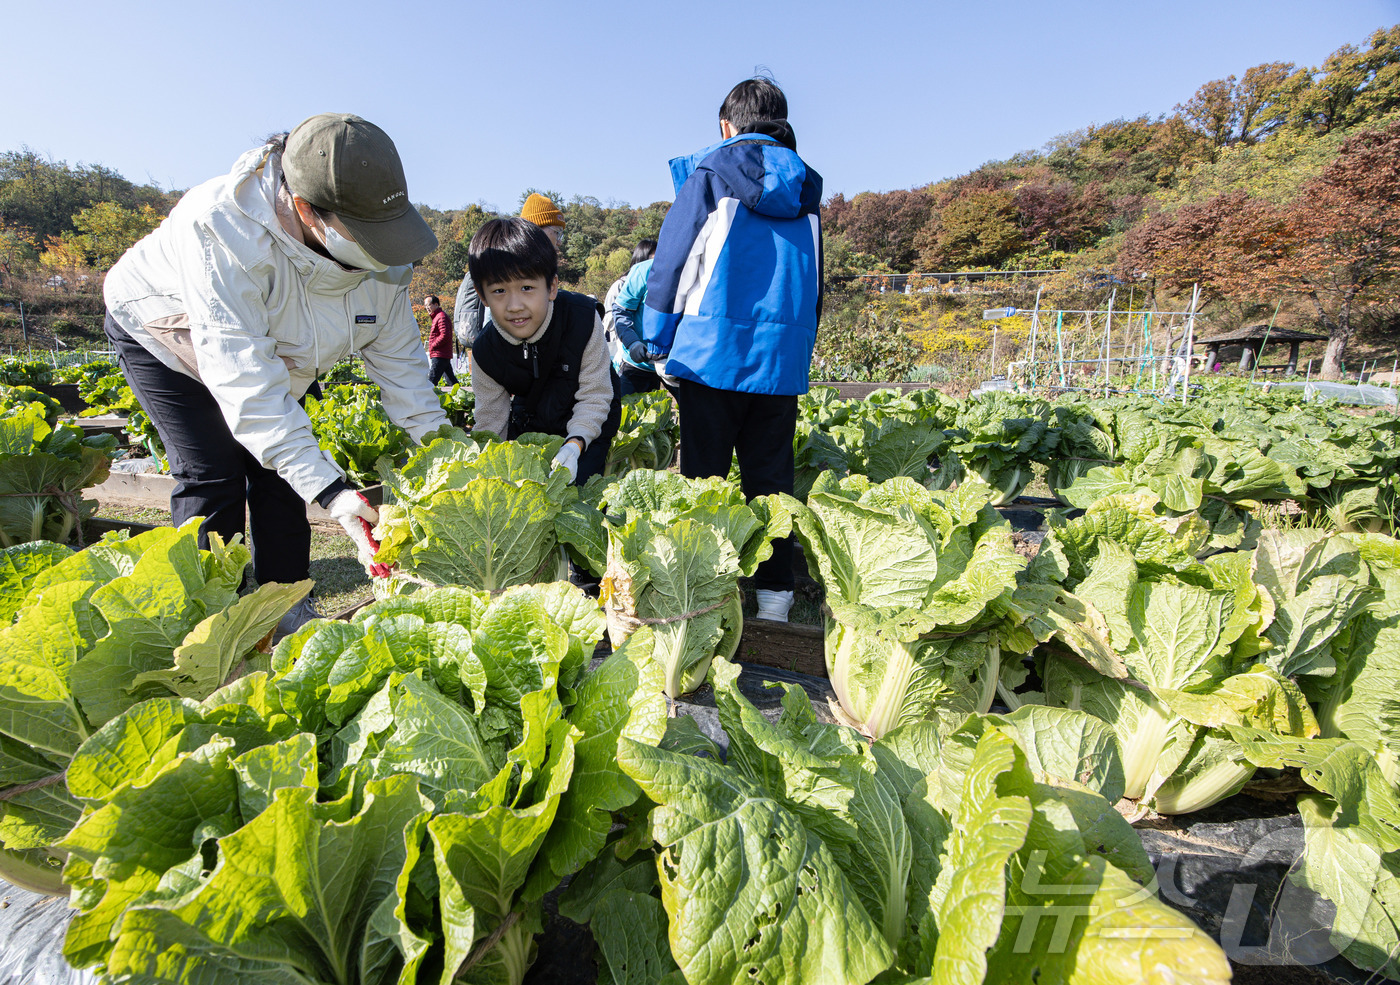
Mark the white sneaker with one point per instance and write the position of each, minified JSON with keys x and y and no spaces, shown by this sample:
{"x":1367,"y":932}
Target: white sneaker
{"x":296,"y":617}
{"x":774,"y":605}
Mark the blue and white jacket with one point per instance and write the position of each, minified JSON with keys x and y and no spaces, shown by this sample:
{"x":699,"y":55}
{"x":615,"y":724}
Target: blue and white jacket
{"x":735,"y":289}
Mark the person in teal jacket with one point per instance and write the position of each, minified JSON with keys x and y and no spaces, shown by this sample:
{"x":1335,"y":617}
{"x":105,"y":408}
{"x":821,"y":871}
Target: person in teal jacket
{"x":631,"y":357}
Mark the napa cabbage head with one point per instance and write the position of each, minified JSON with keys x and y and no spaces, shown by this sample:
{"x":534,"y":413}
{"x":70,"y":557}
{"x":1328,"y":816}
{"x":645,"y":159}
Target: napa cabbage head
{"x":998,"y":440}
{"x":479,"y":514}
{"x":646,"y":435}
{"x":911,"y":576}
{"x":1192,"y":646}
{"x":671,"y":551}
{"x":1084,"y":445}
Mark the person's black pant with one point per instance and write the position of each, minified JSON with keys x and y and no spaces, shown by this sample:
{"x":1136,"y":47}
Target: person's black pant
{"x":595,"y":457}
{"x":438,"y":367}
{"x":217,"y":476}
{"x":634,"y":380}
{"x":718,"y":424}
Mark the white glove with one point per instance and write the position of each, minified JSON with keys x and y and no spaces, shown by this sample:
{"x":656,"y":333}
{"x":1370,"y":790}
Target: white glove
{"x":358,"y":517}
{"x":660,"y":366}
{"x":567,"y":458}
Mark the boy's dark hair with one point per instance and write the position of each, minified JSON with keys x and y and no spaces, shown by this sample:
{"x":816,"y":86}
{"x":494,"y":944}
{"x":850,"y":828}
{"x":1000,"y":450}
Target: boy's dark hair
{"x":511,"y":249}
{"x":756,"y":100}
{"x":645,"y":250}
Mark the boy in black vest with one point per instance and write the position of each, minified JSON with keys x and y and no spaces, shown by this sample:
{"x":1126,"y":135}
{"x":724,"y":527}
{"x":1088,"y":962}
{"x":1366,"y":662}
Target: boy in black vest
{"x":540,"y":363}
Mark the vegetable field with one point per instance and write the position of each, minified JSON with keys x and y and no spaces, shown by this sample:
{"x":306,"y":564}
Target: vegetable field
{"x":415,"y":793}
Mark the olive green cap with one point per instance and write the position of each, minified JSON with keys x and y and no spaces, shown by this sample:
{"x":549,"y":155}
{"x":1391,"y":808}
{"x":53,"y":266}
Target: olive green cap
{"x":347,"y":165}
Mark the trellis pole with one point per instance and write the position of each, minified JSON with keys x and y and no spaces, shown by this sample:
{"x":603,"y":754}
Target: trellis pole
{"x":1108,"y":335}
{"x":1189,"y":342}
{"x":1035,"y":327}
{"x":1259,"y":356}
{"x":1146,"y":344}
{"x":1129,"y":344}
{"x":1060,"y":343}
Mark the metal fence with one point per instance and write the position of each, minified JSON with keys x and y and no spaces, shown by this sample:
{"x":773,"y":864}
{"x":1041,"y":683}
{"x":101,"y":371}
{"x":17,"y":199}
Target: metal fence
{"x":61,"y":358}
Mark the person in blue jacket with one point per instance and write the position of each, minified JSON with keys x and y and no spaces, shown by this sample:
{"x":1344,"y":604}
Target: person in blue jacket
{"x":733,"y":298}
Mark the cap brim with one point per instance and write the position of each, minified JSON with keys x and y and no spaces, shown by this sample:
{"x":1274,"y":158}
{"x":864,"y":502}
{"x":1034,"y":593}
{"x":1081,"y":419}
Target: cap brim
{"x":402,"y":240}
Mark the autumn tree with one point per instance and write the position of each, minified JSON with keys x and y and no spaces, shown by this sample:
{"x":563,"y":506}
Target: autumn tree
{"x":1219,"y":244}
{"x":43,"y":195}
{"x":591,"y":227}
{"x":16,"y":246}
{"x":465,"y":222}
{"x":974,"y":230}
{"x":1174,"y":148}
{"x":1354,"y":85}
{"x":1345,"y":254}
{"x":107,"y":230}
{"x":882,"y":224}
{"x":1336,"y":246}
{"x":1244,"y":111}
{"x":649,"y":220}
{"x":1060,"y":216}
{"x":1212,"y":113}
{"x":1264,"y":97}
{"x":843,"y":261}
{"x":453,"y":248}
{"x":63,"y":253}
{"x":603,"y":269}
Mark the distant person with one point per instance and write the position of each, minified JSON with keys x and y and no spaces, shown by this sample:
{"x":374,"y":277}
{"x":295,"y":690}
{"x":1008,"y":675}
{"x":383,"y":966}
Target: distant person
{"x":439,"y":342}
{"x":631,"y":357}
{"x":732,"y":303}
{"x":259,"y":281}
{"x":467,"y":312}
{"x":540,"y":363}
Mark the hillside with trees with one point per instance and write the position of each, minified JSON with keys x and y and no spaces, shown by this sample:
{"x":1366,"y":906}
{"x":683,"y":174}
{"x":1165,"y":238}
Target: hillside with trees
{"x":1279,"y":188}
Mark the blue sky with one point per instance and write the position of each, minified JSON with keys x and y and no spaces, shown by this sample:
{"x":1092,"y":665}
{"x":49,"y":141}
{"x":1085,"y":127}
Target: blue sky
{"x":486,"y":99}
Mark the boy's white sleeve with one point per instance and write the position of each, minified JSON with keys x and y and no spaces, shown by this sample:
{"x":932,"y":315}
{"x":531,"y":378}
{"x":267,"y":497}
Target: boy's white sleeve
{"x":593,"y":399}
{"x":492,"y":411}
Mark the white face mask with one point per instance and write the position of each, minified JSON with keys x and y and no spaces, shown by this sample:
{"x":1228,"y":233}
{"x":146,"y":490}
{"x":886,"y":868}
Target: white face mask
{"x":349,"y":252}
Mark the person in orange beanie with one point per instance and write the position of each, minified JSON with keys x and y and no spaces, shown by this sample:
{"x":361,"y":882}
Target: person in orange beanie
{"x":543,"y":213}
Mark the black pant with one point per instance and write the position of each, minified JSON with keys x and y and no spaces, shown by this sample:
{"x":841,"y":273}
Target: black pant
{"x":595,"y":457}
{"x":439,"y":367}
{"x":217,"y":476}
{"x":718,"y":424}
{"x":634,"y":380}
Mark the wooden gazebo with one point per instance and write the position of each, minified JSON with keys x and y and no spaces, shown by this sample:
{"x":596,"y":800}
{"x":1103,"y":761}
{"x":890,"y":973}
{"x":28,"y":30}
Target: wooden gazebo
{"x":1251,"y":337}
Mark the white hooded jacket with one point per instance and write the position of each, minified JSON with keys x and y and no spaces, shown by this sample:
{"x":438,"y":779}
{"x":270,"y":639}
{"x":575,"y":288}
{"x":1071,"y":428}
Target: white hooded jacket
{"x":221,"y":292}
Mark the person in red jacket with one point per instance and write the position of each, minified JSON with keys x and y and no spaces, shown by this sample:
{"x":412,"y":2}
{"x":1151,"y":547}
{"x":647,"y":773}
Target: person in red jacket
{"x":439,"y":342}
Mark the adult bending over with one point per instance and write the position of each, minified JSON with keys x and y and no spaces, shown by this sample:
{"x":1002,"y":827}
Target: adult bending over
{"x":259,"y":281}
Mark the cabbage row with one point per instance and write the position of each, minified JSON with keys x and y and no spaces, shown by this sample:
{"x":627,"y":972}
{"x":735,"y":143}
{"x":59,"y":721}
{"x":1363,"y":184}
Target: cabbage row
{"x":88,"y":635}
{"x":389,"y":803}
{"x":390,"y":799}
{"x":1219,"y":455}
{"x":44,"y":466}
{"x":1209,"y":657}
{"x":669,"y":551}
